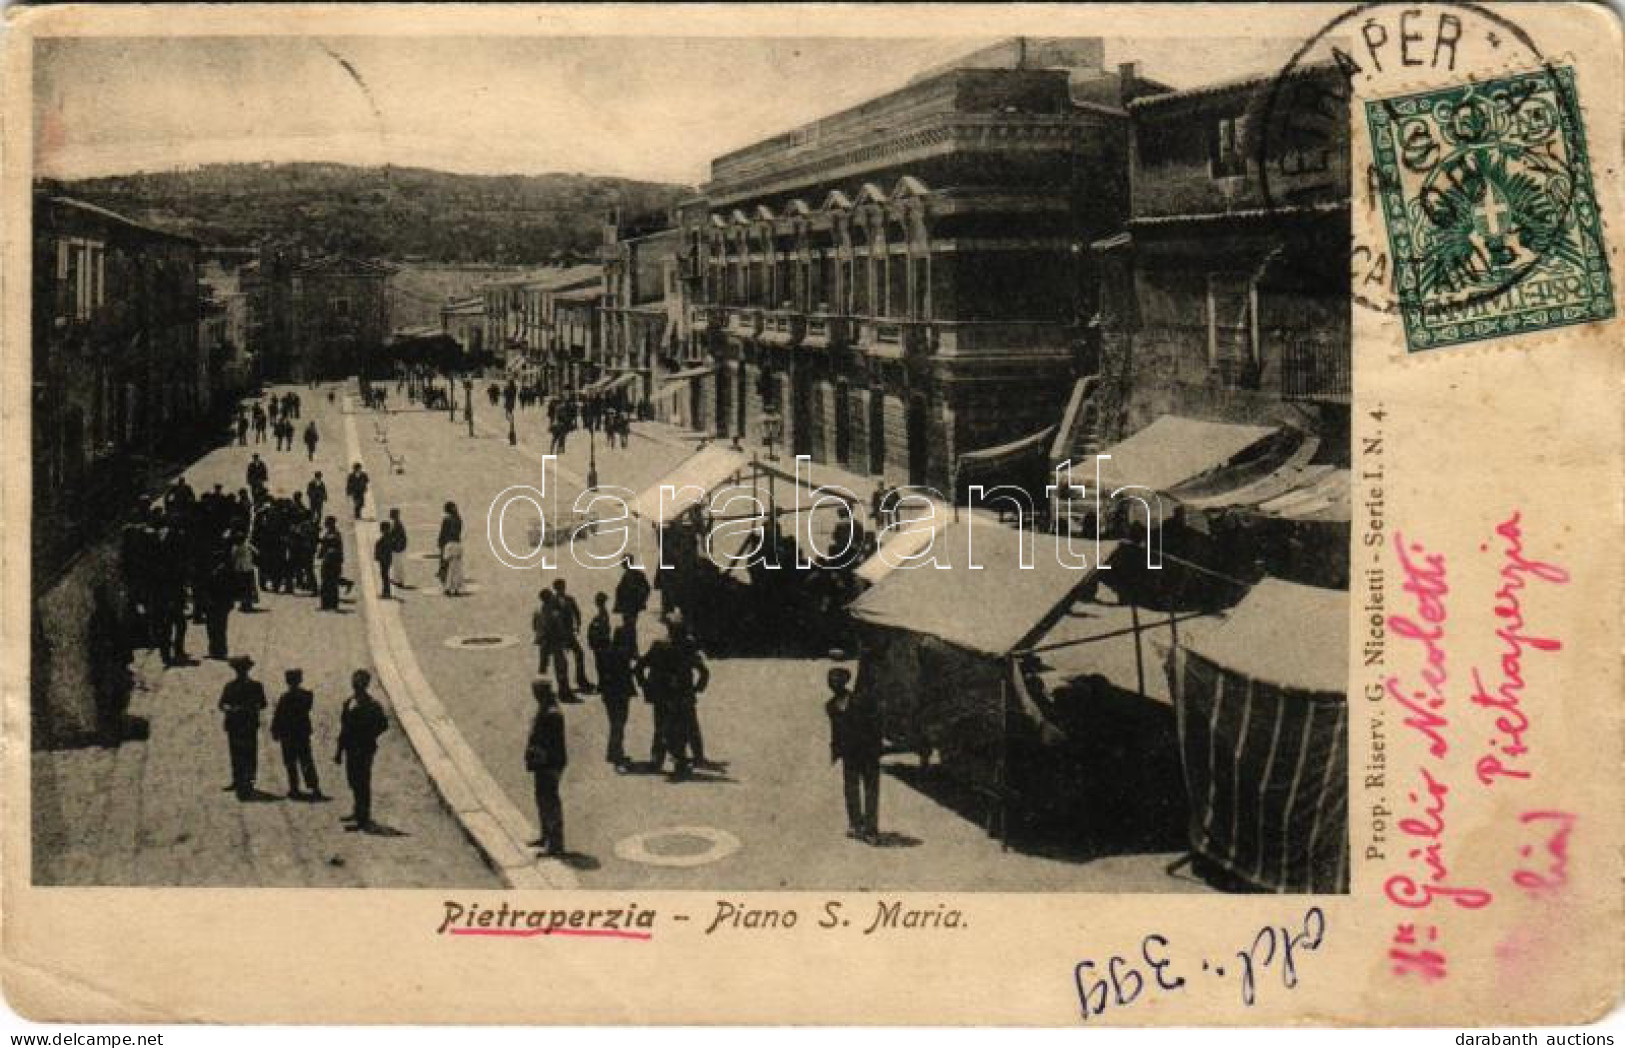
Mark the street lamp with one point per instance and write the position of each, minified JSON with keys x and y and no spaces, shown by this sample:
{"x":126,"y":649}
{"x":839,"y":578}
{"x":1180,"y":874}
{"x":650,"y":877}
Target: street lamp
{"x":772,"y":431}
{"x":592,"y":459}
{"x":468,"y":403}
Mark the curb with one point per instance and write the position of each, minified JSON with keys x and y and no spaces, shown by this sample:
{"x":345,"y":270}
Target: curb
{"x":496,"y":827}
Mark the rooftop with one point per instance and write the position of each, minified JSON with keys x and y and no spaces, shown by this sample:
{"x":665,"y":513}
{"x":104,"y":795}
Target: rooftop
{"x":103,"y":213}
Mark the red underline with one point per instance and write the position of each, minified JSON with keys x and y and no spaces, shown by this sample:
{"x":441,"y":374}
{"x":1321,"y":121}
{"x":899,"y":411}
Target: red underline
{"x":526,"y":933}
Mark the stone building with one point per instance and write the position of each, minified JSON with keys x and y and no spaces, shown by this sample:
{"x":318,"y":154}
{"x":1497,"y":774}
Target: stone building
{"x":464,"y":320}
{"x":577,"y":338}
{"x":520,"y":318}
{"x":315,"y":318}
{"x":117,"y":368}
{"x":1225,"y":322}
{"x":902,"y":282}
{"x":119,"y":389}
{"x":639,"y":278}
{"x":1226,"y":297}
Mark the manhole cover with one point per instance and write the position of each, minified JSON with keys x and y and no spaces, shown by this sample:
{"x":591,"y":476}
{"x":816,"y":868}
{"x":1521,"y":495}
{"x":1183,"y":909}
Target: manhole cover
{"x":678,"y":846}
{"x":482,"y":641}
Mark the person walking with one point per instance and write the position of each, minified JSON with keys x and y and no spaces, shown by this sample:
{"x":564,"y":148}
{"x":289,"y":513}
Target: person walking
{"x":258,"y":474}
{"x":221,"y":587}
{"x":242,"y":428}
{"x":450,"y":542}
{"x":243,"y":555}
{"x":545,"y":759}
{"x":615,"y":655}
{"x":290,"y":726}
{"x":316,"y":494}
{"x":570,"y":633}
{"x":259,"y":424}
{"x":330,"y":560}
{"x":547,"y":626}
{"x":355,"y":486}
{"x":397,"y":563}
{"x":360,"y":723}
{"x":383,"y":551}
{"x":241,"y":700}
{"x":312,"y":438}
{"x":855,"y":741}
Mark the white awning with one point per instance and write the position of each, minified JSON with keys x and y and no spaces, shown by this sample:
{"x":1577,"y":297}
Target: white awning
{"x":1174,"y":449}
{"x":992,"y":608}
{"x":692,"y":480}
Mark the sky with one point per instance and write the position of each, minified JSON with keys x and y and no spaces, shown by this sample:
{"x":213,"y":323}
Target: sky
{"x":655,"y":108}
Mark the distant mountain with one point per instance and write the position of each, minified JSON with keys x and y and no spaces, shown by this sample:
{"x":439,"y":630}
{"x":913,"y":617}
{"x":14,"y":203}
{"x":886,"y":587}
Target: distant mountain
{"x":388,"y":212}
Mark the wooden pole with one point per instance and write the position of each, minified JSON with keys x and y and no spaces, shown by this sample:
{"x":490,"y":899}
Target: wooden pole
{"x":1139,"y":655}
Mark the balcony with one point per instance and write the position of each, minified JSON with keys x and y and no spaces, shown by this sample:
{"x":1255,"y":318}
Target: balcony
{"x":827,"y":331}
{"x":783,"y":327}
{"x":702,"y":319}
{"x":744,"y":321}
{"x":895,"y":339}
{"x":1317,"y":373}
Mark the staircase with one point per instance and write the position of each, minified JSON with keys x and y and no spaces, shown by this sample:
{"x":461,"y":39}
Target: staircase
{"x":1078,"y":437}
{"x":1077,"y":440}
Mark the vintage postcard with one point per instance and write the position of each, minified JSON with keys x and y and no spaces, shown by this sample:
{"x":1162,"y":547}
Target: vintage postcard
{"x":765,"y":514}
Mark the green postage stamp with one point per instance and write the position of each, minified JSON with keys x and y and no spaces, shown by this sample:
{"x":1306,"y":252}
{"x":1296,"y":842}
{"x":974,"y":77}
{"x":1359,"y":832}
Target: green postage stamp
{"x":1490,"y":209}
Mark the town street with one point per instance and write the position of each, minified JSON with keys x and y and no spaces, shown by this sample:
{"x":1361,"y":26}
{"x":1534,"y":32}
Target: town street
{"x":779,"y":796}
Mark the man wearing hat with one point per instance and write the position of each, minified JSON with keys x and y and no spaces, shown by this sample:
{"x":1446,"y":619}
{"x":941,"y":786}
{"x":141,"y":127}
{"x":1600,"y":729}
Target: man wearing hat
{"x":545,"y":759}
{"x":241,"y":700}
{"x":290,"y":726}
{"x":855,"y":741}
{"x":360,"y":724}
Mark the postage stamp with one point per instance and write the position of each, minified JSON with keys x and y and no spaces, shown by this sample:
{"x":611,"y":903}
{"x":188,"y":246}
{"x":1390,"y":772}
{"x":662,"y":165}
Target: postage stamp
{"x":1490,"y":210}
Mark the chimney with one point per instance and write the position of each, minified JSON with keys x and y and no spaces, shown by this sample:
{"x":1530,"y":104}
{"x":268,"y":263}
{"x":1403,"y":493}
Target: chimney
{"x":1128,"y":75}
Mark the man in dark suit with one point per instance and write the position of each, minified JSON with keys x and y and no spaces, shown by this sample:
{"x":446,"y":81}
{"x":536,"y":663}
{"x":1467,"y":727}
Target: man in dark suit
{"x":290,"y":726}
{"x":545,"y":759}
{"x":242,"y":700}
{"x":360,"y":724}
{"x":631,"y":595}
{"x":570,"y":631}
{"x":672,"y":675}
{"x":855,"y":740}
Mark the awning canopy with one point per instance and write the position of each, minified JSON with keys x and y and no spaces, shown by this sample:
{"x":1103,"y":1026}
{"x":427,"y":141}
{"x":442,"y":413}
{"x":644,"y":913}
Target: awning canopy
{"x":692,"y":480}
{"x":610,"y":383}
{"x":1173,"y":450}
{"x":1291,"y":636}
{"x":992,"y":609}
{"x":1034,"y":446}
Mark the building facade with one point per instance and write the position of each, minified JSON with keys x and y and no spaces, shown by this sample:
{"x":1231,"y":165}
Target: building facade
{"x":117,"y":365}
{"x":521,"y":321}
{"x":464,"y":320}
{"x":312,"y":318}
{"x":902,"y":282}
{"x":1221,"y":299}
{"x":641,"y":298}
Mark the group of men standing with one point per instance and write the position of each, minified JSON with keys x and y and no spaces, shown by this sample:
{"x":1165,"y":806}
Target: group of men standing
{"x":361,"y":721}
{"x":670,"y":675}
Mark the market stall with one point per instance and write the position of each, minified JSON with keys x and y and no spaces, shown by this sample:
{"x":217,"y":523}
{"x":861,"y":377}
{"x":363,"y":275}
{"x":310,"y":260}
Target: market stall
{"x":1262,"y":713}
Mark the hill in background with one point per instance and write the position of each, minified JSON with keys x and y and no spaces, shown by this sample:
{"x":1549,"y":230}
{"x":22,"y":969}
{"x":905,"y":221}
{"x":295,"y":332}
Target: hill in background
{"x":384,"y":212}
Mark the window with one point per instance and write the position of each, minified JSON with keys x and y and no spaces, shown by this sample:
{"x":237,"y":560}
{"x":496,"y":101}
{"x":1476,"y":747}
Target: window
{"x":1226,"y":158}
{"x":81,"y":271}
{"x":340,"y":306}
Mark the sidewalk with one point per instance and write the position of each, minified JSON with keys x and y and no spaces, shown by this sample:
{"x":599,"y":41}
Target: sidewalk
{"x":153,"y":812}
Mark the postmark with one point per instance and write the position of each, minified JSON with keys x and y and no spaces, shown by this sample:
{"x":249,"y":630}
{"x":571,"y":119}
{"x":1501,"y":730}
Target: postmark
{"x":1361,"y":61}
{"x":1490,"y":209}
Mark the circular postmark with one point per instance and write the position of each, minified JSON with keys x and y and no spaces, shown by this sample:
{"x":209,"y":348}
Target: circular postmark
{"x":680,"y":846}
{"x":1470,"y":180}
